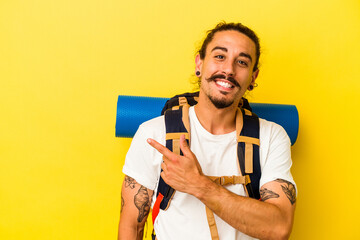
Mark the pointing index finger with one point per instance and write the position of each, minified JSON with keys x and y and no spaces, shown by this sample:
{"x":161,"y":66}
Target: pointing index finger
{"x":160,"y":148}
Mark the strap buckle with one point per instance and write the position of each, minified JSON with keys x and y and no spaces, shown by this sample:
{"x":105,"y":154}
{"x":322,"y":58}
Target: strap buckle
{"x":247,"y":179}
{"x":222,"y":180}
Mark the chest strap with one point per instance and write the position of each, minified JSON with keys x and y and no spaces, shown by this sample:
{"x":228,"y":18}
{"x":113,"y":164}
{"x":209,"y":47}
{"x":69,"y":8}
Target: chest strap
{"x":226,"y":180}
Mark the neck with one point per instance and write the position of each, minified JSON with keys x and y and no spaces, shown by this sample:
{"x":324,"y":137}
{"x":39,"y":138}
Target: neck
{"x":214,"y":120}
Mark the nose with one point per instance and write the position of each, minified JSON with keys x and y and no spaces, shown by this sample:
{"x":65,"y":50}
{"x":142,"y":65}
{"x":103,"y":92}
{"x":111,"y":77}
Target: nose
{"x":228,"y":68}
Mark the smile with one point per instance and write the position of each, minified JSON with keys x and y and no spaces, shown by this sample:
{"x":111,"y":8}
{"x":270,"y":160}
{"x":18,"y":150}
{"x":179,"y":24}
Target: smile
{"x":224,"y":84}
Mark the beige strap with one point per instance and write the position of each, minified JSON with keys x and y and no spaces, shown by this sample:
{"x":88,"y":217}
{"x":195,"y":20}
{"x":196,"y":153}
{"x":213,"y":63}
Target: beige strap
{"x":212,"y":224}
{"x":170,"y":136}
{"x":248,"y":158}
{"x":182,"y":101}
{"x":239,"y":122}
{"x":226,"y":180}
{"x":176,"y":146}
{"x":247,"y":112}
{"x":251,"y":140}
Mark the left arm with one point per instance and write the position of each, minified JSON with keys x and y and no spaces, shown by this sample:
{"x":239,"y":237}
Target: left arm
{"x":270,"y":218}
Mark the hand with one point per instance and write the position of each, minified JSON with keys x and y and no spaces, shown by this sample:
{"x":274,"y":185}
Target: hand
{"x":180,"y":172}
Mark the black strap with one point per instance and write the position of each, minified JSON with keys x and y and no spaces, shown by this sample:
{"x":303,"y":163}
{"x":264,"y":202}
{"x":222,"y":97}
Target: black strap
{"x":251,"y":128}
{"x":173,"y":124}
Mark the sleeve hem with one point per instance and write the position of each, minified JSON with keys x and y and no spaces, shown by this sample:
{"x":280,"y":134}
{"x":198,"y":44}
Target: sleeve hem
{"x":139,"y":179}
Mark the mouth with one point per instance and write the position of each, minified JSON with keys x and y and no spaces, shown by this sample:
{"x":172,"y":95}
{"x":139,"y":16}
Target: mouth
{"x":223,"y":84}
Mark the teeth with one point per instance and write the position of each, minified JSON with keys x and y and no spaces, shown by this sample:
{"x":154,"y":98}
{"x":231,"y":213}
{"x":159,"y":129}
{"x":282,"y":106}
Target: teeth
{"x":224,"y":84}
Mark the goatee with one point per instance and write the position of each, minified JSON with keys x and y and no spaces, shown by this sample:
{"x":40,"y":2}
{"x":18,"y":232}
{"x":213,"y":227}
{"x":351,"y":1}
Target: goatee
{"x":220,"y":103}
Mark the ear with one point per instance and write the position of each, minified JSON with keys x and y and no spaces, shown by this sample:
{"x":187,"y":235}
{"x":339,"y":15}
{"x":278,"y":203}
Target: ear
{"x":198,"y":63}
{"x":254,"y":76}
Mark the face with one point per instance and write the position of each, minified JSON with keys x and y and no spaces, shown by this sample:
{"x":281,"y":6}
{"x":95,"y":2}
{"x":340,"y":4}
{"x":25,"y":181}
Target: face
{"x":226,"y":70}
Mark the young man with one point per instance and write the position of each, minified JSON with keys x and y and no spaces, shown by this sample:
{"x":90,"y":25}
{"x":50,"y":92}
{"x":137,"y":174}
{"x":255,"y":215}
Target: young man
{"x":227,"y":67}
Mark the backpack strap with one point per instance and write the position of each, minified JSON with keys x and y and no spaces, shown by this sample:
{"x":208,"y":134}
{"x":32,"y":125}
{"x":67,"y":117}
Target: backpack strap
{"x":177,"y":123}
{"x":248,"y":150}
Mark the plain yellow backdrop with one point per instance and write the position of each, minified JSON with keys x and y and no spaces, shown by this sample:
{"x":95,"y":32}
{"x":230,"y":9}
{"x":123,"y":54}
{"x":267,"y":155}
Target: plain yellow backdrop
{"x":63,"y":63}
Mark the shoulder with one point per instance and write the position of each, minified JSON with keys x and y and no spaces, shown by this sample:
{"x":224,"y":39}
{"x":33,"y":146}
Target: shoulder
{"x":271,"y":133}
{"x":142,"y":161}
{"x":153,"y":128}
{"x":275,"y":153}
{"x":157,"y":122}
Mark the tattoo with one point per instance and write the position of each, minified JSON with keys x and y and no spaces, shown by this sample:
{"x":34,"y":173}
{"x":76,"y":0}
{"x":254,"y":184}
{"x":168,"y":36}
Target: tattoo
{"x":130,"y":182}
{"x":122,"y":204}
{"x":267,"y":194}
{"x":142,"y":202}
{"x":289,"y":190}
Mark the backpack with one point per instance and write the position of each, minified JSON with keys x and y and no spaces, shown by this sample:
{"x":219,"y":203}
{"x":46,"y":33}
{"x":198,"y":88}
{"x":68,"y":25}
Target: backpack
{"x":176,"y":115}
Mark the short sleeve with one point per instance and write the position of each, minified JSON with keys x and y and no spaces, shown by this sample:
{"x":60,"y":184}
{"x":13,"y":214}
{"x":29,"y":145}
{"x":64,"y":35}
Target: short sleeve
{"x":143,"y":162}
{"x":275,"y":153}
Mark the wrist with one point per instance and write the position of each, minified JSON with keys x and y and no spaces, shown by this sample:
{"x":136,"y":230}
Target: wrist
{"x":203,"y":187}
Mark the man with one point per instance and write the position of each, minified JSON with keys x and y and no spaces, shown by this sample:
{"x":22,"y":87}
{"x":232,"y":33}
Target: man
{"x":227,"y":67}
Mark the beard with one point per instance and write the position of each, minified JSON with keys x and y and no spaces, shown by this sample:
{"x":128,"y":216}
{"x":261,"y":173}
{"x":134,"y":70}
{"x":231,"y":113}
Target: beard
{"x":220,"y":103}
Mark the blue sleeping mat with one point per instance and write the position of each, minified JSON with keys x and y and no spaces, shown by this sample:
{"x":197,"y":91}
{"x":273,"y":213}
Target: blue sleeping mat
{"x":134,"y":110}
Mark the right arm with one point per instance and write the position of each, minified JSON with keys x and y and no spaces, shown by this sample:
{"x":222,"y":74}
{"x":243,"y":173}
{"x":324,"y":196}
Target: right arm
{"x":135,"y":207}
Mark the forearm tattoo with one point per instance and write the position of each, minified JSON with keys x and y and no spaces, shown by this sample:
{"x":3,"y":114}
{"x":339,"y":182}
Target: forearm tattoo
{"x":142,"y":202}
{"x":129,"y":182}
{"x":289,"y":190}
{"x":266,"y":194}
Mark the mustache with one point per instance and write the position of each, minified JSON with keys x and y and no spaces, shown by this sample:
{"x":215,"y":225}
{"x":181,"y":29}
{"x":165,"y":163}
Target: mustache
{"x":221,"y":76}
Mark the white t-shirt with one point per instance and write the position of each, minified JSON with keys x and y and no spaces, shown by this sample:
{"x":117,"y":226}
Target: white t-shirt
{"x":186,"y":216}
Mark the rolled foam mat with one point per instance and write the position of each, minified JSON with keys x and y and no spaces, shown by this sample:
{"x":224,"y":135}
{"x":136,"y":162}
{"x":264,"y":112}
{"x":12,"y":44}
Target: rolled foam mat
{"x":134,"y":110}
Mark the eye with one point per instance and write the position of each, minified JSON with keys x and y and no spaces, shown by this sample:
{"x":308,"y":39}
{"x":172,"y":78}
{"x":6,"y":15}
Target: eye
{"x":219,"y":57}
{"x":243,"y":63}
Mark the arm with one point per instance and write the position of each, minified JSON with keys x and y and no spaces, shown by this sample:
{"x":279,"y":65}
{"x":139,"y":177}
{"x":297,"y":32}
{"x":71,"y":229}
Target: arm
{"x":271,"y":218}
{"x":135,"y":207}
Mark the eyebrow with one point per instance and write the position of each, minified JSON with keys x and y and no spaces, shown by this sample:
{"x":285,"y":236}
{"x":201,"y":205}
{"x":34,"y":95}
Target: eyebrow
{"x":242,"y":54}
{"x":220,"y":48}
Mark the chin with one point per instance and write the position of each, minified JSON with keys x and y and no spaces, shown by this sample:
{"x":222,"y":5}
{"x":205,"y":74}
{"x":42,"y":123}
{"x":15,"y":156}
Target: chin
{"x":221,"y":103}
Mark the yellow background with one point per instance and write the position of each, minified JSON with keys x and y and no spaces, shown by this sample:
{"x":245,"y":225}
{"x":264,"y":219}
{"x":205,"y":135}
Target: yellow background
{"x":63,"y":63}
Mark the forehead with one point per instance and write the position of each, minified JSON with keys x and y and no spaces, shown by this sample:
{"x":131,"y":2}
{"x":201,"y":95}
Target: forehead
{"x":233,"y":41}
